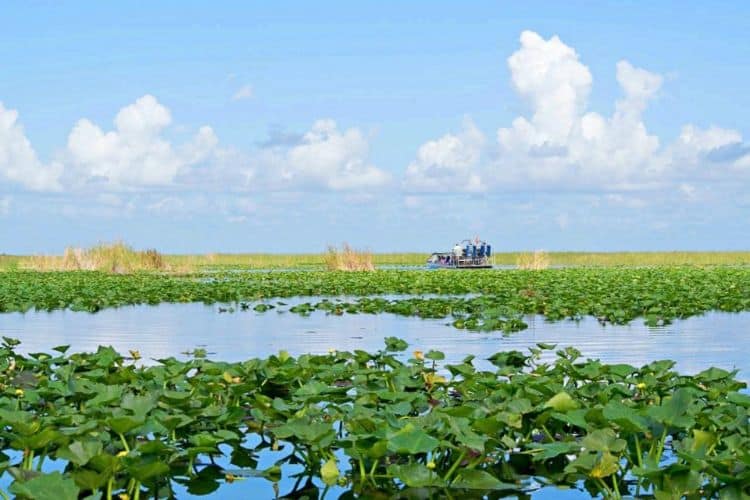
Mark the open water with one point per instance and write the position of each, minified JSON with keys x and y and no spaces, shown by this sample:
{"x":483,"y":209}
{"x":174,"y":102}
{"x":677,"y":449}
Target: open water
{"x":714,"y":339}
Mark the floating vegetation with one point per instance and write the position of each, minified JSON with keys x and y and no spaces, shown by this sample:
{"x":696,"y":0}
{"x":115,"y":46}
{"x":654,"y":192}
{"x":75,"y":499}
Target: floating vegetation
{"x":476,"y":314}
{"x":73,"y":425}
{"x":658,"y":295}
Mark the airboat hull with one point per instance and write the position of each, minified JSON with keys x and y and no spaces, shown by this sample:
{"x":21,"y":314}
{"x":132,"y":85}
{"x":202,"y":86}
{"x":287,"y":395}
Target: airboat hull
{"x":459,"y":266}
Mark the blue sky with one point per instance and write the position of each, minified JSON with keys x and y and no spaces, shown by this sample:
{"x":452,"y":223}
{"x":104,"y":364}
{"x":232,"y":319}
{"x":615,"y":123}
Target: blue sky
{"x":229,"y":126}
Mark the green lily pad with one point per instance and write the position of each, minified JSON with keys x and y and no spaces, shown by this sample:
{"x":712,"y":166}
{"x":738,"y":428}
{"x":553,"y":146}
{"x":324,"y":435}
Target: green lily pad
{"x":53,"y":486}
{"x":415,"y":475}
{"x":562,"y":402}
{"x":80,"y":452}
{"x":472,"y":479}
{"x":411,"y":440}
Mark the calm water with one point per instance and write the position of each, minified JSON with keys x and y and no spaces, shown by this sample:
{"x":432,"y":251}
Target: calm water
{"x":716,"y":339}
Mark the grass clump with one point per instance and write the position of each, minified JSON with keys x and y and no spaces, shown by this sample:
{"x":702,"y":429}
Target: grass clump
{"x":534,"y":261}
{"x":348,"y":259}
{"x":116,"y":258}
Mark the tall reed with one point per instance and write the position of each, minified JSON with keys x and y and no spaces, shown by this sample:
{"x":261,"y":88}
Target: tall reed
{"x":108,"y":257}
{"x":536,"y":260}
{"x":348,"y":259}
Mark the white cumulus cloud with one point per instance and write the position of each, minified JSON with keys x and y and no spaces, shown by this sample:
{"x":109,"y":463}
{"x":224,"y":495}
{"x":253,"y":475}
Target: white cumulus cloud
{"x":561,"y":144}
{"x":448,"y":163}
{"x":695,"y":143}
{"x":135,"y":153}
{"x":561,"y":141}
{"x":324,"y":157}
{"x":18,"y":160}
{"x":549,"y":75}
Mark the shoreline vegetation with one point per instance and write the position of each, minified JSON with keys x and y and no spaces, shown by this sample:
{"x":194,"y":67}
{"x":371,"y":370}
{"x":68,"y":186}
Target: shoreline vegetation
{"x":121,"y":258}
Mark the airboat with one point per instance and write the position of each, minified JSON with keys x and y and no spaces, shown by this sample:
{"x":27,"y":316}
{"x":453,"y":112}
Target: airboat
{"x":467,"y":254}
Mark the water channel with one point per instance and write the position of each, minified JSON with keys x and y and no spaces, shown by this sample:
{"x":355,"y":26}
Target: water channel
{"x":714,"y":339}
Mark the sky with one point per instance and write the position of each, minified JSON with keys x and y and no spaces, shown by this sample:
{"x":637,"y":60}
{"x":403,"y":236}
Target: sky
{"x":285,"y":127}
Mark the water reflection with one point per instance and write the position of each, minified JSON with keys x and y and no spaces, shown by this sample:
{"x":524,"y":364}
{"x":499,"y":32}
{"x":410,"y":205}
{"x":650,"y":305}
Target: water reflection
{"x":716,"y":339}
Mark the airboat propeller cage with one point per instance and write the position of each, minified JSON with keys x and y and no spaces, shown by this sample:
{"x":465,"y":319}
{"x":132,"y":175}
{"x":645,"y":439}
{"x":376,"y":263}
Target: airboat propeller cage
{"x":476,"y":248}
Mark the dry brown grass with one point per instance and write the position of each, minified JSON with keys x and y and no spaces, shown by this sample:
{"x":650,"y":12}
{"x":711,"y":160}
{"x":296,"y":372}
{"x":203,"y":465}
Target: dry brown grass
{"x":348,"y":259}
{"x":534,"y":261}
{"x":116,"y":258}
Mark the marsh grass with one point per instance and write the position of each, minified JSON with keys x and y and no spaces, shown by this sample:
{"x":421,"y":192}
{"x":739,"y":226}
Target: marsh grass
{"x":197,"y":262}
{"x":117,"y":258}
{"x":348,"y":259}
{"x":9,"y":262}
{"x":639,"y":259}
{"x":565,"y":259}
{"x":247,"y":260}
{"x":534,"y":261}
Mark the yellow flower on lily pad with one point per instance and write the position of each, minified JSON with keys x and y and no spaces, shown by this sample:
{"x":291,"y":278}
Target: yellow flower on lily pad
{"x":431,"y":379}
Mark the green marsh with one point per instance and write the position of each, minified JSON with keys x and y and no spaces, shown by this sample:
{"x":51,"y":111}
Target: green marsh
{"x":659,"y":295}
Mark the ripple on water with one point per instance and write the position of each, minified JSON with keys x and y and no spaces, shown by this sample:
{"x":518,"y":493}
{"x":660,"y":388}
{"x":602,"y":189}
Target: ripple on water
{"x":715,"y":339}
